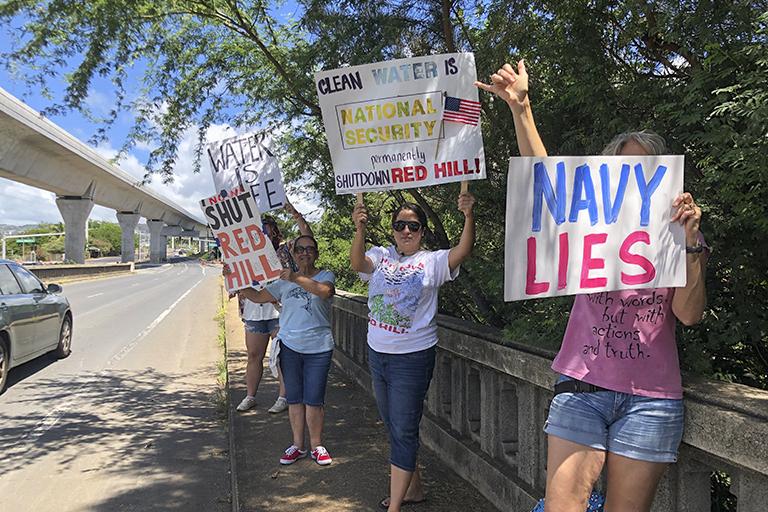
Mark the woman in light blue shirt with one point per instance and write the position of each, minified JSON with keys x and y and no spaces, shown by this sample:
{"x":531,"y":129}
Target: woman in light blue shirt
{"x":306,"y":344}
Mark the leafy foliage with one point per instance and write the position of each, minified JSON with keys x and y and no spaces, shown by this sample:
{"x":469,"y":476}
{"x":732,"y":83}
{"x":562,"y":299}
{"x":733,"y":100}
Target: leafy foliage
{"x":692,"y":71}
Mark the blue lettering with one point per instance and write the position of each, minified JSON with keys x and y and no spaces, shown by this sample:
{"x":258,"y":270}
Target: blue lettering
{"x":647,"y":190}
{"x":582,"y":185}
{"x":612,"y":211}
{"x":542,"y":186}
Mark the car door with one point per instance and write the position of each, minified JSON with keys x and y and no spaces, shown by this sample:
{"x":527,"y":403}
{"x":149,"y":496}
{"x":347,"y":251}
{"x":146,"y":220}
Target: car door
{"x":46,"y":330}
{"x":19,"y":313}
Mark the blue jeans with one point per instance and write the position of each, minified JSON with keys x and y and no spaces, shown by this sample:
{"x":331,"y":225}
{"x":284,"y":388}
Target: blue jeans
{"x":637,"y":427}
{"x":305,"y":376}
{"x":400,"y":382}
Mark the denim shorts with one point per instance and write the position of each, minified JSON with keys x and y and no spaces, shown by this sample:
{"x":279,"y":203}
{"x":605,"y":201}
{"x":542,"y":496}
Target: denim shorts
{"x":400,"y":382}
{"x":261,"y":326}
{"x":305,"y":376}
{"x":637,"y":427}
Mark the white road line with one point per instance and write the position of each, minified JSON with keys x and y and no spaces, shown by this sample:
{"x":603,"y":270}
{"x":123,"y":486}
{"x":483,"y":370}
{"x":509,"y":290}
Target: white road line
{"x":53,"y":417}
{"x":94,"y":295}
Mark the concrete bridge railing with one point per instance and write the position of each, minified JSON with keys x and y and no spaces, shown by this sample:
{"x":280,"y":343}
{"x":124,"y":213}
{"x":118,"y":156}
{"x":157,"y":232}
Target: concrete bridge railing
{"x":488,"y":402}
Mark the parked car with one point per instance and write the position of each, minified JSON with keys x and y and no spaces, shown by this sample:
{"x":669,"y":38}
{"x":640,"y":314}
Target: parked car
{"x":35,"y":319}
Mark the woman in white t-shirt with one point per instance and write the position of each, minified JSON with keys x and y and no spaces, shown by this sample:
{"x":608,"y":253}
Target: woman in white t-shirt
{"x":402,"y":330}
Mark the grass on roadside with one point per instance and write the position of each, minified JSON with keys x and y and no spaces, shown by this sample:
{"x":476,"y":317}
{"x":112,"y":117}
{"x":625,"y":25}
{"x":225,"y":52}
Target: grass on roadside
{"x":221,"y":365}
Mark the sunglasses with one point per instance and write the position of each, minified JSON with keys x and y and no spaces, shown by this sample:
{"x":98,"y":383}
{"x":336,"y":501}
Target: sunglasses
{"x":301,"y":249}
{"x":400,"y":225}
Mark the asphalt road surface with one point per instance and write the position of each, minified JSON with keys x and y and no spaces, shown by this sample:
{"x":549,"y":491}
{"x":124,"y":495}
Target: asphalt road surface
{"x":129,"y":422}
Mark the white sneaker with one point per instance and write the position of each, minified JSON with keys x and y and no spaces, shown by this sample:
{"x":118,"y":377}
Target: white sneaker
{"x":281,"y":404}
{"x":247,"y":403}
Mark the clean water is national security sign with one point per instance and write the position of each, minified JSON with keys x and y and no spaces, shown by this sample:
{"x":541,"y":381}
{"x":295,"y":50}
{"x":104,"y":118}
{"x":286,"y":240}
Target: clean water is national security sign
{"x":403,"y":123}
{"x":592,"y":224}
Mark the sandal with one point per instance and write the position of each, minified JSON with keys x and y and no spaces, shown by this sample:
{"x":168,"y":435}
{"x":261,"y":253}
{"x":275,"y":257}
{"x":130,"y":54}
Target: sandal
{"x":404,"y":503}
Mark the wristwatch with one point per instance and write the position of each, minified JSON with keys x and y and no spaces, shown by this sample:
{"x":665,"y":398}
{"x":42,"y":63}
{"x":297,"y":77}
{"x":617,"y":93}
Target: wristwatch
{"x":695,"y":249}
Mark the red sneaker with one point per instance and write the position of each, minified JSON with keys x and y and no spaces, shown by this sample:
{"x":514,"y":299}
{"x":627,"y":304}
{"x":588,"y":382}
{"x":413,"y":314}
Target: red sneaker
{"x":292,"y":454}
{"x":321,"y":456}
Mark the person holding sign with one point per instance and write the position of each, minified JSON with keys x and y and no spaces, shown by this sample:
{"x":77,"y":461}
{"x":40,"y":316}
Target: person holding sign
{"x":261,"y":320}
{"x":402,"y":332}
{"x":618,"y":400}
{"x":306,"y":344}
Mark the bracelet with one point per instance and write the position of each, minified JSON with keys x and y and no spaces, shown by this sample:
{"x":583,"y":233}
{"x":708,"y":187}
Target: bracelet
{"x":695,"y":249}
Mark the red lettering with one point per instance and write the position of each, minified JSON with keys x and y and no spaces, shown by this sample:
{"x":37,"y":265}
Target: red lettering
{"x":421,"y":173}
{"x":562,"y":267}
{"x":440,"y":170}
{"x":270,"y":272}
{"x":397,"y":175}
{"x":636,"y":259}
{"x":589,"y":263}
{"x":237,"y":233}
{"x":531,"y":286}
{"x":408,"y":173}
{"x":259,"y":241}
{"x":226,"y":250}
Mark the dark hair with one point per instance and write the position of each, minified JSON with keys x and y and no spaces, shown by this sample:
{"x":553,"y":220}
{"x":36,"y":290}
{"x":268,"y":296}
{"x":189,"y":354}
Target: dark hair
{"x":266,"y":219}
{"x":306,"y":236}
{"x":418,"y":210}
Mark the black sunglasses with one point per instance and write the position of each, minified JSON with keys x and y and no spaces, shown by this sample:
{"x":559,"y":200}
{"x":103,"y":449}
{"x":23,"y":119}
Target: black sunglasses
{"x":300,"y":249}
{"x":400,"y":225}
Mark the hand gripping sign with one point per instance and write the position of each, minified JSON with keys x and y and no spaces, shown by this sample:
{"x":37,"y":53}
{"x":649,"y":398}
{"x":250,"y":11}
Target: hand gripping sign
{"x":590,"y":224}
{"x":246,"y":163}
{"x":403,"y":123}
{"x":236,"y":223}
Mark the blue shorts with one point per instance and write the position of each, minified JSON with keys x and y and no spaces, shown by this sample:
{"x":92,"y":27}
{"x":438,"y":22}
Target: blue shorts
{"x":637,"y":427}
{"x":400,"y":382}
{"x":262,"y":326}
{"x":305,"y":376}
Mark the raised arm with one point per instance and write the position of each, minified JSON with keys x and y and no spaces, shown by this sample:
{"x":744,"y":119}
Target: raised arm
{"x":322,"y":289}
{"x":357,"y":258}
{"x":512,"y":87}
{"x":688,"y":302}
{"x":260,"y":297}
{"x":463,"y":249}
{"x":304,"y":228}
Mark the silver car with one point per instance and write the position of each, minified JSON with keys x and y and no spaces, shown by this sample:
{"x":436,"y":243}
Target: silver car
{"x":34,"y":319}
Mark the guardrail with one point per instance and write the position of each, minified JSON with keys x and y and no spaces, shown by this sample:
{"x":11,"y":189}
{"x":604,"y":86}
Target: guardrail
{"x":489,"y":399}
{"x":51,"y":272}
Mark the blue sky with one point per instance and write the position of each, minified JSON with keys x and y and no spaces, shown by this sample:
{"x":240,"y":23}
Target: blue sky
{"x":186,"y":189}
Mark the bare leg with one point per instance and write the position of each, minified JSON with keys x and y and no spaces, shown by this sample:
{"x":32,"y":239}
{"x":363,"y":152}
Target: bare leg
{"x":315,"y":417}
{"x":572,"y":470}
{"x":415,"y":490}
{"x":281,"y":392}
{"x":631,"y":483}
{"x":297,"y":414}
{"x":256,"y":344}
{"x":399,"y":482}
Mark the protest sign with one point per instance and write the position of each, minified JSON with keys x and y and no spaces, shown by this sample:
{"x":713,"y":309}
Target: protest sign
{"x":236,"y":224}
{"x":403,"y":123}
{"x":246,"y":163}
{"x":592,"y":224}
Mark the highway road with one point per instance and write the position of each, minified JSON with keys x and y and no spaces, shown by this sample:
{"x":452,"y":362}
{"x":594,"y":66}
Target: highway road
{"x":129,"y":421}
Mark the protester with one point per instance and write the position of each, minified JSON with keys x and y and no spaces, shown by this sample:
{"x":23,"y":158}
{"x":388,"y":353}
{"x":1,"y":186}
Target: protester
{"x":402,"y":332}
{"x":261,"y":320}
{"x":306,"y":344}
{"x":623,"y":412}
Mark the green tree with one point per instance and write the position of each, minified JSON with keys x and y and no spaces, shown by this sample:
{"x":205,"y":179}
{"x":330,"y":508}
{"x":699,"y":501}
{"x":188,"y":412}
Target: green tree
{"x":106,"y":236}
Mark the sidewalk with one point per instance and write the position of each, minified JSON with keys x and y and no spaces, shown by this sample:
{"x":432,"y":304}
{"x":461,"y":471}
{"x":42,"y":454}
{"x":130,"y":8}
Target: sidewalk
{"x":354,"y":436}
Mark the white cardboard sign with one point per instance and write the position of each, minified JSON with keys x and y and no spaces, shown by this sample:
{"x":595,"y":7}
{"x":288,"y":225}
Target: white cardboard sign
{"x":590,"y":224}
{"x":236,"y":223}
{"x":246,"y":163}
{"x":403,"y":123}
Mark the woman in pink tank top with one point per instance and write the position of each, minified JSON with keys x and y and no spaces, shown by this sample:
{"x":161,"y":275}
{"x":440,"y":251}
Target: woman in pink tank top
{"x":618,"y":400}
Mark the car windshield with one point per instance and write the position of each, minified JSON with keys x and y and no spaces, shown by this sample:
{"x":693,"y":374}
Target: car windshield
{"x":8,"y":283}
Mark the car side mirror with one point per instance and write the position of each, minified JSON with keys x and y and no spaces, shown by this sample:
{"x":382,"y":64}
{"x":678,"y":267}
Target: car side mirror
{"x":54,"y":288}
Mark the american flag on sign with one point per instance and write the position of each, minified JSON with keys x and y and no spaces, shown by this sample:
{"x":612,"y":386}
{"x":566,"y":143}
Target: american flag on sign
{"x":457,"y":110}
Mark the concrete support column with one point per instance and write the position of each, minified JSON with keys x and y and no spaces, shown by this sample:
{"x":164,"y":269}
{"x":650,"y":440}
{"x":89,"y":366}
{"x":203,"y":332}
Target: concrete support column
{"x":74,"y":211}
{"x":157,"y":251}
{"x":128,"y":222}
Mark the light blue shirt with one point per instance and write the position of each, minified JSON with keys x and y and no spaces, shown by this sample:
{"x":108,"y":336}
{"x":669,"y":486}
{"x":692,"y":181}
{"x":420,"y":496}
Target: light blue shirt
{"x":305,"y":318}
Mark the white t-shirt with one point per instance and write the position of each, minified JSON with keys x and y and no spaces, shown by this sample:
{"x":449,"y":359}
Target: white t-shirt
{"x":402,"y":298}
{"x":254,"y":311}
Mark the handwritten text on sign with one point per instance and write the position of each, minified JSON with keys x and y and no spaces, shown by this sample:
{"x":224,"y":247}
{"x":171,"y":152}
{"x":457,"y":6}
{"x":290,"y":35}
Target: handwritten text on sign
{"x":403,"y":123}
{"x":246,"y":163}
{"x":236,"y":223}
{"x":590,"y":224}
